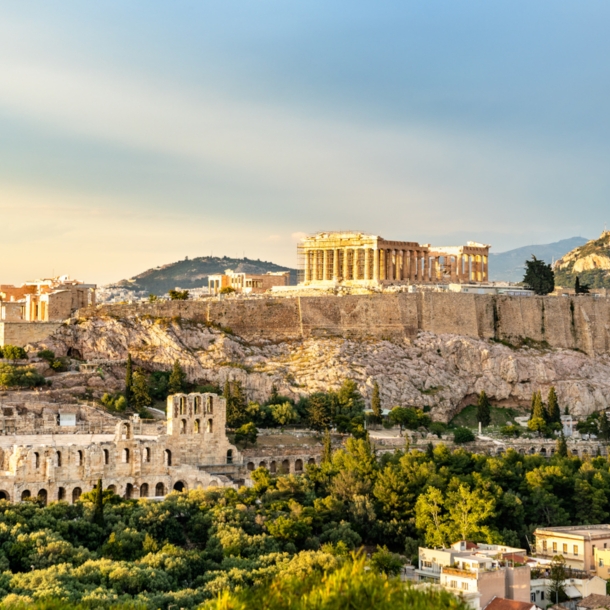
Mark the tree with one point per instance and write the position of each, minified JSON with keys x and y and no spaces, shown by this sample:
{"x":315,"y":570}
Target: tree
{"x":246,"y":434}
{"x":284,"y":414}
{"x":604,"y":426}
{"x":463,"y":435}
{"x":129,"y":380}
{"x":327,"y":451}
{"x":539,"y":276}
{"x":556,"y":591}
{"x":14,"y":352}
{"x":319,"y":411}
{"x":349,"y":400}
{"x":553,"y":410}
{"x":538,"y":420}
{"x":236,"y":403}
{"x":376,"y":403}
{"x":177,"y":379}
{"x":468,"y":511}
{"x":580,"y":288}
{"x":384,"y":562}
{"x":98,"y":511}
{"x":483,"y":410}
{"x":141,"y":396}
{"x":152,"y":298}
{"x":430,"y":519}
{"x":178,"y":295}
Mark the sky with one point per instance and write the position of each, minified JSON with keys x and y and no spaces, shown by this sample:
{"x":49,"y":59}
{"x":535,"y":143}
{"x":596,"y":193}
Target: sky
{"x":133,"y":134}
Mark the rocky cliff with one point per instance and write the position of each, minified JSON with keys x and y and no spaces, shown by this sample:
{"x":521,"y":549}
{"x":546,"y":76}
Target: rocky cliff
{"x":440,"y":370}
{"x":590,"y":263}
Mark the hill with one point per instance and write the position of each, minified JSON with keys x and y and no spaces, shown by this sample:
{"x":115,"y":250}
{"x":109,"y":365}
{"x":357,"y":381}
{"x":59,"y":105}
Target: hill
{"x":193,"y":273}
{"x":589,"y":262}
{"x":510,"y":266}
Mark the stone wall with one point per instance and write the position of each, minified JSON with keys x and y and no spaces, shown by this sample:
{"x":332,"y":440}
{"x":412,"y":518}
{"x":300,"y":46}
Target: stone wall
{"x":22,"y":333}
{"x":581,"y":323}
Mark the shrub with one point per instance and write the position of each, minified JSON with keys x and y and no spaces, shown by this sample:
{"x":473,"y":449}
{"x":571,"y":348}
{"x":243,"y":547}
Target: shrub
{"x":20,"y":377}
{"x":463,"y":435}
{"x":510,"y":431}
{"x":14,"y":352}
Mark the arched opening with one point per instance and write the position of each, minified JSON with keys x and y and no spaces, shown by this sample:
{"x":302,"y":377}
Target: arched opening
{"x":182,"y":405}
{"x":58,"y":459}
{"x":543,"y":451}
{"x":183,"y":426}
{"x":273,"y":467}
{"x":36,"y":460}
{"x":298,"y":466}
{"x":111,"y":488}
{"x":4,"y":495}
{"x":285,"y":466}
{"x":197,"y":404}
{"x":79,"y":458}
{"x":210,"y":426}
{"x":147,"y":454}
{"x":179,"y":486}
{"x":125,"y":456}
{"x":76,"y":492}
{"x":552,"y":450}
{"x":263,"y":465}
{"x":25,"y":494}
{"x":168,"y":457}
{"x":211,"y":404}
{"x":311,"y":461}
{"x":230,"y":456}
{"x":250,"y":466}
{"x":196,"y":427}
{"x":73,"y":352}
{"x":159,"y":490}
{"x":42,"y":497}
{"x":61,"y":494}
{"x":213,"y":483}
{"x":522,"y":451}
{"x":124,"y":432}
{"x":144,"y":490}
{"x":106,"y":457}
{"x":532,"y":451}
{"x":128,"y":491}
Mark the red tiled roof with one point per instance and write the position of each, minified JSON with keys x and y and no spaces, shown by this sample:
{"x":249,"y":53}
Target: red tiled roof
{"x":499,"y":603}
{"x":594,"y":601}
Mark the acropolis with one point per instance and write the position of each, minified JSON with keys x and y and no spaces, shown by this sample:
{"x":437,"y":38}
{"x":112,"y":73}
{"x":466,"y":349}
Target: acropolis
{"x":358,"y":259}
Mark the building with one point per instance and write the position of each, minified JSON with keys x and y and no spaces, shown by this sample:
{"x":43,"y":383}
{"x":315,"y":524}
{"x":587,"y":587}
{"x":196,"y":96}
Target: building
{"x":47,"y":300}
{"x":247,"y":283}
{"x":358,"y":259}
{"x":476,"y":572}
{"x":499,"y":603}
{"x":135,"y":459}
{"x":594,"y":602}
{"x":602,"y":562}
{"x":577,"y":586}
{"x":576,"y":544}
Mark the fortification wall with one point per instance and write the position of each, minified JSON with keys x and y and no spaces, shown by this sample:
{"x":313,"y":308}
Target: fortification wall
{"x":581,"y":323}
{"x":22,"y":333}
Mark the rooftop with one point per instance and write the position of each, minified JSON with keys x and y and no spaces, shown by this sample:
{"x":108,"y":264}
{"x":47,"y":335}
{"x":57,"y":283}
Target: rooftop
{"x":601,"y":530}
{"x":595,"y":601}
{"x":499,"y":603}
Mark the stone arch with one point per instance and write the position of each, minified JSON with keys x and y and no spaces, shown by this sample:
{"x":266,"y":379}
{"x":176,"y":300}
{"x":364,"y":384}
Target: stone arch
{"x":543,"y":451}
{"x":125,"y":431}
{"x":263,"y":464}
{"x":25,"y":494}
{"x":213,"y":483}
{"x":147,"y":454}
{"x":58,"y":459}
{"x":4,"y":495}
{"x":106,"y":457}
{"x":273,"y":467}
{"x":36,"y":460}
{"x":521,"y":450}
{"x":128,"y":491}
{"x":311,"y":461}
{"x":196,"y":427}
{"x":43,"y":496}
{"x":210,"y":405}
{"x":182,"y":405}
{"x":125,"y":456}
{"x":298,"y":465}
{"x":159,"y":490}
{"x":197,"y":404}
{"x":552,"y":452}
{"x":73,"y":352}
{"x":210,"y":426}
{"x":532,"y":450}
{"x":144,"y":490}
{"x":111,"y":488}
{"x":285,"y":468}
{"x":183,"y":426}
{"x":180,"y":486}
{"x":168,"y":457}
{"x":250,"y":466}
{"x":79,"y":458}
{"x":61,"y":494}
{"x":76,"y":493}
{"x":229,"y":456}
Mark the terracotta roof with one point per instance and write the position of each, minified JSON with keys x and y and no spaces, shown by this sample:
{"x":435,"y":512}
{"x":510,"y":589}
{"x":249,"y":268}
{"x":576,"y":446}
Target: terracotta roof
{"x":499,"y":603}
{"x":594,"y":601}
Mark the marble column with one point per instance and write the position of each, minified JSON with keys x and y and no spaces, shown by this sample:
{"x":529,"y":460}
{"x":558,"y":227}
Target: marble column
{"x":325,"y":265}
{"x":357,"y":254}
{"x":376,"y":265}
{"x":367,"y":263}
{"x":345,"y":265}
{"x":390,"y":272}
{"x":307,"y":277}
{"x":336,"y":264}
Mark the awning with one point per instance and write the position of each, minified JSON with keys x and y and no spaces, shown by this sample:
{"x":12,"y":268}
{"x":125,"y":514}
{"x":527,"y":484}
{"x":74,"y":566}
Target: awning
{"x":572,"y":592}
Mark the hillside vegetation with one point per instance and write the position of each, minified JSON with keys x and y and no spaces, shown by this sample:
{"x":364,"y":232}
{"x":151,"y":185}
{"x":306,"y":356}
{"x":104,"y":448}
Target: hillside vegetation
{"x":193,"y":273}
{"x":590,"y":263}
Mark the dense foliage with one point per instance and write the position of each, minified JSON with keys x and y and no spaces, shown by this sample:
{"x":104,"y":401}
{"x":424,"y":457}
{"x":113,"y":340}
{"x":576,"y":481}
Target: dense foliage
{"x":539,"y":276}
{"x":195,"y":545}
{"x":20,"y":377}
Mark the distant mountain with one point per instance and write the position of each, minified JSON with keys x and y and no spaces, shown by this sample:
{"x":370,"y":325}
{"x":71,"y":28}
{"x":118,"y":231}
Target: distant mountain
{"x":589,"y":263}
{"x":510,"y":266}
{"x":193,"y":273}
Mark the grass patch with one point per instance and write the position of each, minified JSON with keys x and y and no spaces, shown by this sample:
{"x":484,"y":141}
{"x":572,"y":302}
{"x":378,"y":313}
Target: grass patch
{"x":432,"y":390}
{"x":499,"y":417}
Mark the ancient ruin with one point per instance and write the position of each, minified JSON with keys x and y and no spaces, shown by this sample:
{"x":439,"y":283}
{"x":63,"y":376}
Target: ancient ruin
{"x":135,"y":460}
{"x":247,"y":283}
{"x":354,"y":258}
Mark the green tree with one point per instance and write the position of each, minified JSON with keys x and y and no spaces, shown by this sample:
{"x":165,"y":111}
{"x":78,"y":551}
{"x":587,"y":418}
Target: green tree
{"x":141,"y":396}
{"x":553,"y":410}
{"x":562,"y":447}
{"x":483,"y":410}
{"x":177,"y":379}
{"x":319,"y":411}
{"x":152,"y":298}
{"x":604,"y":426}
{"x":558,"y":574}
{"x":233,"y":393}
{"x":580,"y":288}
{"x":14,"y":352}
{"x":284,"y":414}
{"x":430,"y":518}
{"x":376,"y":403}
{"x":468,"y":512}
{"x":463,"y":435}
{"x":129,"y":380}
{"x":98,"y":511}
{"x":327,"y":451}
{"x":349,"y":400}
{"x":178,"y":295}
{"x":385,"y":562}
{"x":246,"y":434}
{"x":539,"y":276}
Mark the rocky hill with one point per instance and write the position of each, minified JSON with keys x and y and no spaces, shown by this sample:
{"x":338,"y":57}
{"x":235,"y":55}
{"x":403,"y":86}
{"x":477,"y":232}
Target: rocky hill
{"x":590,"y":263}
{"x":193,"y":273}
{"x":510,"y":266}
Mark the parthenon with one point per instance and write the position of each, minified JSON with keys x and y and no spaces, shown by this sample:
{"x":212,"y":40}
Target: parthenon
{"x":358,"y":259}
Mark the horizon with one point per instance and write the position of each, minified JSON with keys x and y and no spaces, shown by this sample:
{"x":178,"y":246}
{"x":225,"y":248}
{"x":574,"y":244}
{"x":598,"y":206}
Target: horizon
{"x":138,"y":134}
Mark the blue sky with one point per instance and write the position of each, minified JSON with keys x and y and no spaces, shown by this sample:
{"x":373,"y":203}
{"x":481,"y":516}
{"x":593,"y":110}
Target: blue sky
{"x":136,"y":133}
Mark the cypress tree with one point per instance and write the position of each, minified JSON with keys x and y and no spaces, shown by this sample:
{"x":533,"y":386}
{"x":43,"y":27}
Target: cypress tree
{"x":98,"y":511}
{"x":538,"y":410}
{"x":176,"y":379}
{"x":604,"y":426}
{"x":129,"y":380}
{"x":327,"y":451}
{"x":576,"y":286}
{"x":554,"y":413}
{"x":376,"y":403}
{"x":483,"y":410}
{"x":562,"y":446}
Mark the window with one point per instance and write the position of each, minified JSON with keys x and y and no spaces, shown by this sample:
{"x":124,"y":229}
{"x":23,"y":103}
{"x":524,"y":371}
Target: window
{"x":601,"y":563}
{"x":196,"y":427}
{"x":106,"y":457}
{"x":426,"y":564}
{"x":593,"y":549}
{"x":147,"y":454}
{"x":125,"y":456}
{"x":168,"y":458}
{"x":575,"y":549}
{"x":544,"y":545}
{"x":37,"y":460}
{"x":197,"y":404}
{"x":183,"y":426}
{"x":79,"y":460}
{"x":58,"y":458}
{"x":565,"y":548}
{"x":554,"y":547}
{"x":541,"y":595}
{"x":182,"y":405}
{"x":533,"y":597}
{"x":453,"y":584}
{"x":465,"y":586}
{"x":210,"y":426}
